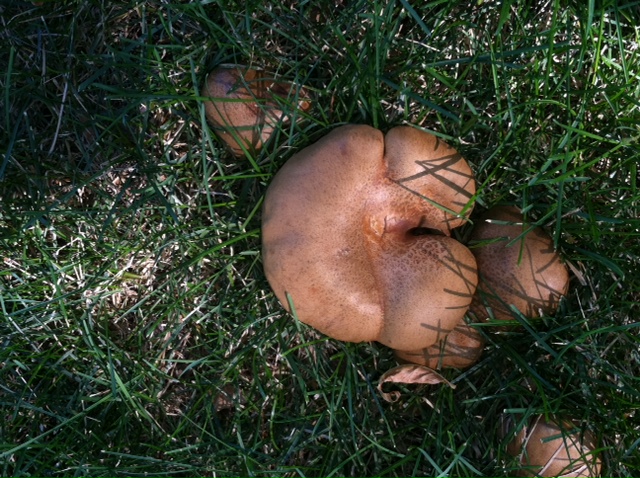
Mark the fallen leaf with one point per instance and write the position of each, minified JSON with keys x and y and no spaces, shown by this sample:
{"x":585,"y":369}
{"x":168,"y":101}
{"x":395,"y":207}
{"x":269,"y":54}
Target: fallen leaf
{"x":409,"y":373}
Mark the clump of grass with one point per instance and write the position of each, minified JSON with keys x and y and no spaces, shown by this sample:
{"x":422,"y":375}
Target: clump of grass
{"x":138,"y":333}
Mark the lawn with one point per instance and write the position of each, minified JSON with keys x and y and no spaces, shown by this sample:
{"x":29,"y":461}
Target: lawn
{"x":138,"y":334}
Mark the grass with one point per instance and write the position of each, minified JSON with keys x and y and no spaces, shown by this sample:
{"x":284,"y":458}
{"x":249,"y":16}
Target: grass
{"x":138,"y":334}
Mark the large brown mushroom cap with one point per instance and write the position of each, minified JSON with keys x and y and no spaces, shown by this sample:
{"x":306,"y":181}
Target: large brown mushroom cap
{"x":522,"y":271}
{"x":547,"y":449}
{"x":343,"y":236}
{"x":246,"y":105}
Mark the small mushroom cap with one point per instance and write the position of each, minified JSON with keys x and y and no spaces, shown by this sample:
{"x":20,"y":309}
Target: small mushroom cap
{"x":343,"y":241}
{"x":246,"y":105}
{"x":547,"y":449}
{"x":526,"y":272}
{"x":460,"y":349}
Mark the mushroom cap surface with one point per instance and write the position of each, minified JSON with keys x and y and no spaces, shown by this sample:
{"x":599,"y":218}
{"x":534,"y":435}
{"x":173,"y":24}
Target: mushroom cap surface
{"x":246,"y":105}
{"x":343,"y":236}
{"x":547,"y":449}
{"x":522,"y":271}
{"x":460,"y":349}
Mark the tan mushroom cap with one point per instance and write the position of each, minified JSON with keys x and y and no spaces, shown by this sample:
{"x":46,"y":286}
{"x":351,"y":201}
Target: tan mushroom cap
{"x":460,"y":349}
{"x":343,"y":236}
{"x":527,"y":272}
{"x":245,"y":105}
{"x":546,"y":449}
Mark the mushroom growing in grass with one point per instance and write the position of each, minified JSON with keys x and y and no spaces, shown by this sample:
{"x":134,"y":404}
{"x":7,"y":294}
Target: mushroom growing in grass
{"x":460,"y":349}
{"x":546,"y":448}
{"x":517,"y":265}
{"x":246,"y":105}
{"x":356,"y":236}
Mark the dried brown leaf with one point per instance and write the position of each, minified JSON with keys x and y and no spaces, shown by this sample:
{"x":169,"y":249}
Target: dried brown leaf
{"x":411,"y":374}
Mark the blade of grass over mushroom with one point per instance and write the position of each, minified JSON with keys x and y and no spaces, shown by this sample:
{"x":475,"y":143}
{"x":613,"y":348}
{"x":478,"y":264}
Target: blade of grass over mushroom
{"x":460,"y":215}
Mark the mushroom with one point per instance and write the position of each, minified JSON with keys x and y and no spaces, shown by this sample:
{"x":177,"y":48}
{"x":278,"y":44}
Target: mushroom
{"x":517,"y":265}
{"x":546,"y":448}
{"x":246,"y":105}
{"x":460,"y":349}
{"x":356,"y":239}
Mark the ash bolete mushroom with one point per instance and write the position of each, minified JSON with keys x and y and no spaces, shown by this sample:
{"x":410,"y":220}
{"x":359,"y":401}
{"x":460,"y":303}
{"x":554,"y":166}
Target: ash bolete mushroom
{"x":546,"y":448}
{"x":246,"y":105}
{"x":356,"y":236}
{"x":517,"y":265}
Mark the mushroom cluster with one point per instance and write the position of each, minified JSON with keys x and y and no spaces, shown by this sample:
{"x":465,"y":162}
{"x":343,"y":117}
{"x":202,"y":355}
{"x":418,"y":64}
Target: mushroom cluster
{"x":357,"y":231}
{"x":357,"y":243}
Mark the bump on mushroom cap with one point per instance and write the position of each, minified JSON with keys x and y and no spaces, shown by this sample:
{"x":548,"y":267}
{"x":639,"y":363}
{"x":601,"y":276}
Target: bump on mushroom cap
{"x":426,"y":165}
